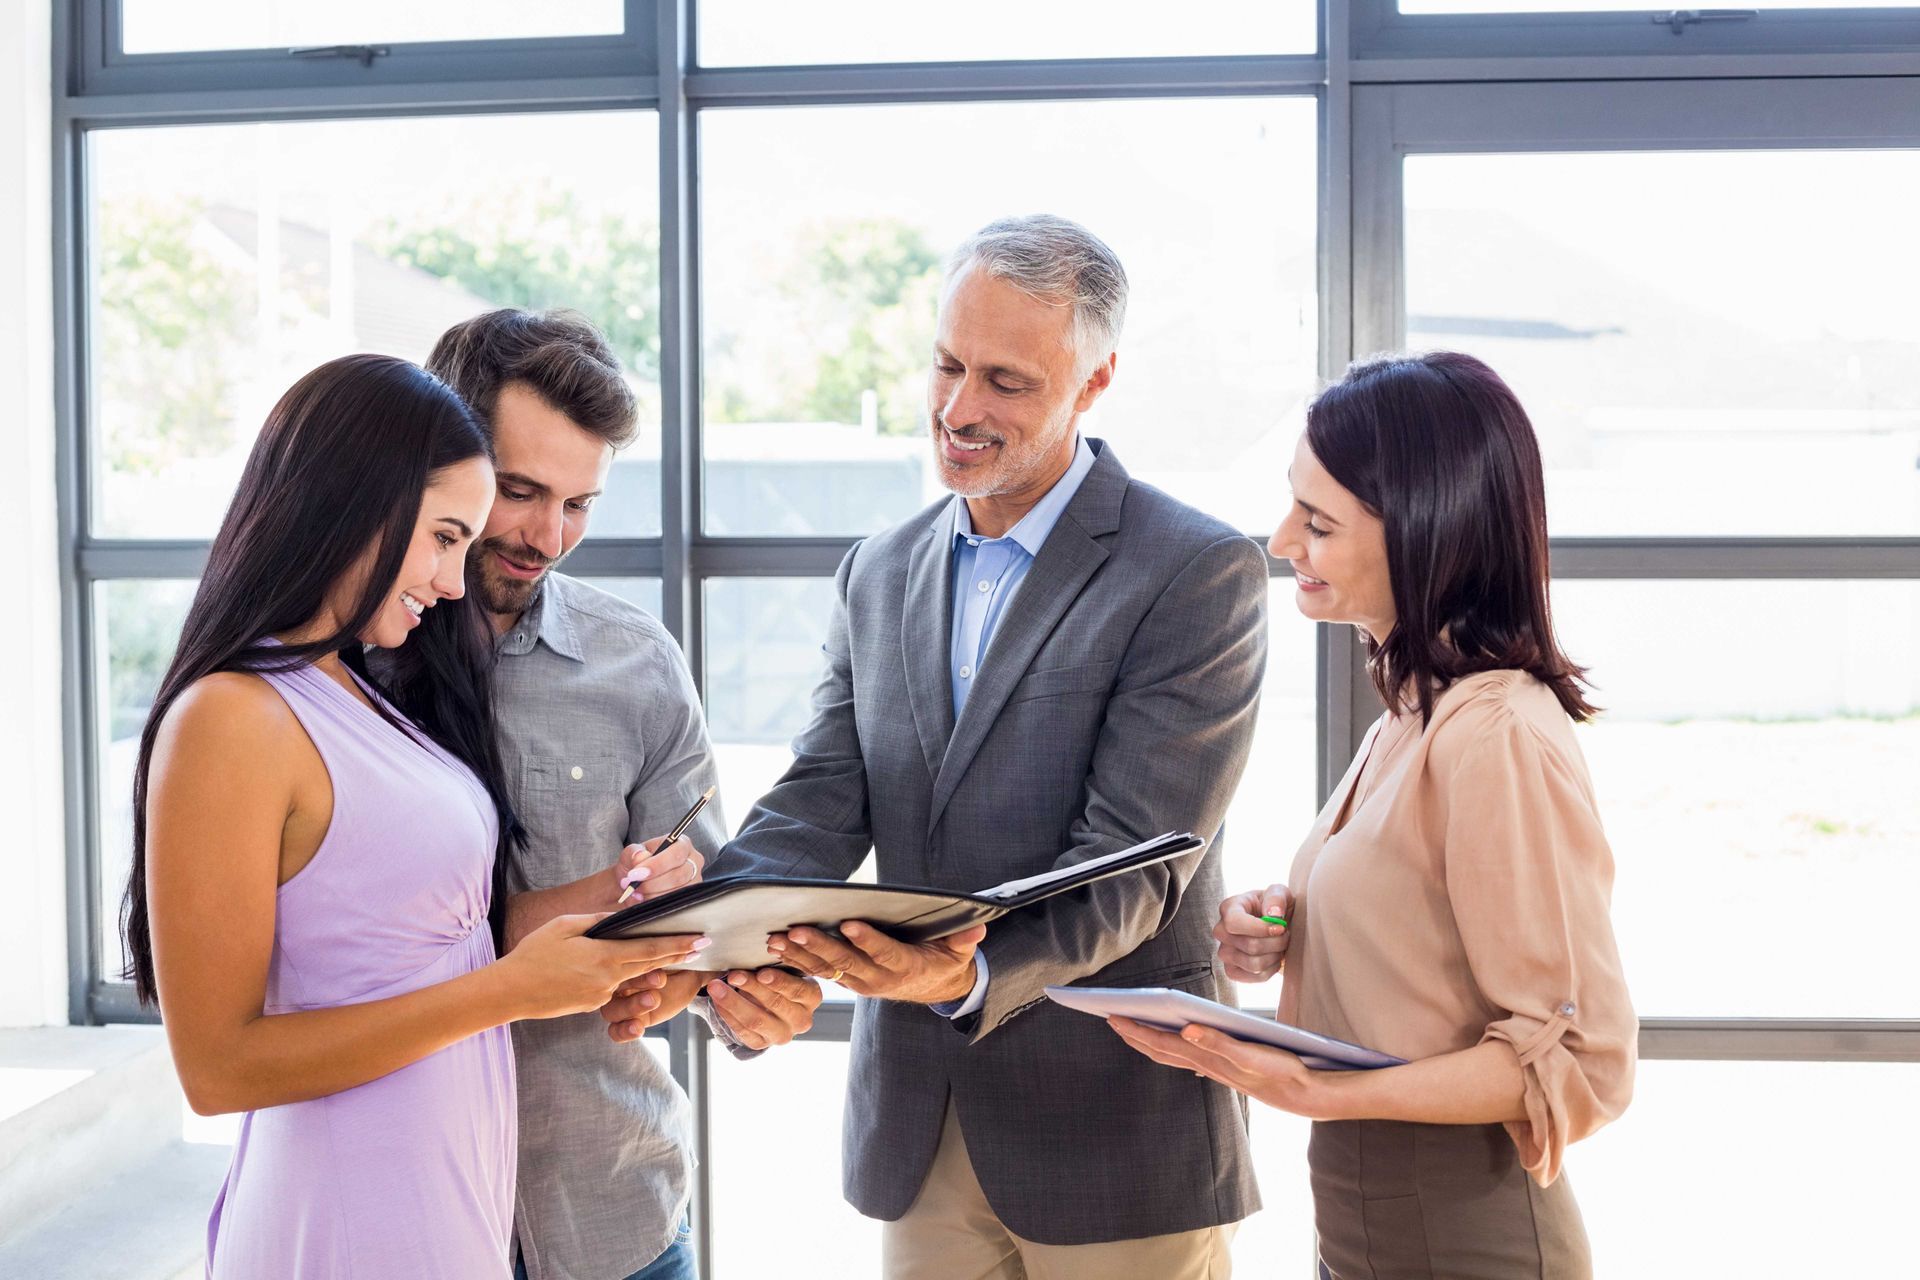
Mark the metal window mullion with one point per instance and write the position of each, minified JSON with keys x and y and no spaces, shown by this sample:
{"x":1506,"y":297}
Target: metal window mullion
{"x":679,"y":343}
{"x":682,"y":601}
{"x":185,"y":106}
{"x":76,"y":604}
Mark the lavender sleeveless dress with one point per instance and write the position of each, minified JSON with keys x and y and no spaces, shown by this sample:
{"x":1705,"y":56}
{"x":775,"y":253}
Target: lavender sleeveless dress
{"x":410,"y":1175}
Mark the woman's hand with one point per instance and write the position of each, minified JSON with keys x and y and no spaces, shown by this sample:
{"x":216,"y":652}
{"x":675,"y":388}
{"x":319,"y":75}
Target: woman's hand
{"x":1252,"y":950}
{"x":556,"y":970}
{"x":653,"y":870}
{"x":1263,"y":1073}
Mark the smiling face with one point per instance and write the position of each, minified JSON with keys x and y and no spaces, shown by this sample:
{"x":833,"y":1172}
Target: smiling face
{"x":550,"y":472}
{"x":1338,"y":550}
{"x":452,"y":509}
{"x":1006,"y":392}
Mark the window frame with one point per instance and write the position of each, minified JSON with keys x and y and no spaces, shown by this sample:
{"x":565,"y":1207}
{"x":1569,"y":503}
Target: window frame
{"x":1386,"y":84}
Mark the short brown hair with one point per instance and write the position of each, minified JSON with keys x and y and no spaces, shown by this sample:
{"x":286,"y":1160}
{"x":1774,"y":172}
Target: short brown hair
{"x":557,"y":353}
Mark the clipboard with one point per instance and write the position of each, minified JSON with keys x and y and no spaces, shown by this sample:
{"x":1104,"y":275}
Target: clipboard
{"x":738,"y":912}
{"x":1172,"y":1010}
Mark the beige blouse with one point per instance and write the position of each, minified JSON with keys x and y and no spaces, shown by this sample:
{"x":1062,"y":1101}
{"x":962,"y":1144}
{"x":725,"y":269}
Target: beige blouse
{"x":1455,"y":890}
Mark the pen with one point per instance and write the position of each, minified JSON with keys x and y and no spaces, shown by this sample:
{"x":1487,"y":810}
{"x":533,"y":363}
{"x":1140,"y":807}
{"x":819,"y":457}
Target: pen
{"x":679,"y":829}
{"x":1279,"y":920}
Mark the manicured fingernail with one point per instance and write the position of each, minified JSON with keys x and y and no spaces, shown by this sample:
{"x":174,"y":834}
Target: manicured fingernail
{"x":719,"y":990}
{"x":636,"y":875}
{"x":736,"y":978}
{"x":648,"y":1000}
{"x":766,"y":977}
{"x":852,"y":930}
{"x":775,"y":944}
{"x":702,"y":944}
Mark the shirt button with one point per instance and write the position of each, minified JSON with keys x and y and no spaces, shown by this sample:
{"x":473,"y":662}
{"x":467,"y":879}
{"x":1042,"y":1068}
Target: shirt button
{"x":1566,"y":1008}
{"x":966,"y":673}
{"x":986,"y":586}
{"x":973,"y":542}
{"x":578,"y":773}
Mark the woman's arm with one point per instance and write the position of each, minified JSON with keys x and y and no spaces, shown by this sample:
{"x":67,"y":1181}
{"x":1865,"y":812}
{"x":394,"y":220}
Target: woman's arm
{"x":1481,"y":1085}
{"x":663,"y":871}
{"x":226,"y":778}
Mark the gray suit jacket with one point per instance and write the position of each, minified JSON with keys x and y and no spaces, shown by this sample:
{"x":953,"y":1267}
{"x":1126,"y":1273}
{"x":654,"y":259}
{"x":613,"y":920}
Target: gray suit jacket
{"x":1116,"y":701}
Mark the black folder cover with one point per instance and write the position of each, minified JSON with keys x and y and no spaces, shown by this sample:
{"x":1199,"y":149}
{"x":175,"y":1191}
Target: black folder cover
{"x":738,"y":912}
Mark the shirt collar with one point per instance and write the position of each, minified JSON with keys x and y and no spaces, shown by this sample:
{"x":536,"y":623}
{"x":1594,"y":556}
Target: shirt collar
{"x":546,"y":619}
{"x":1031,"y":533}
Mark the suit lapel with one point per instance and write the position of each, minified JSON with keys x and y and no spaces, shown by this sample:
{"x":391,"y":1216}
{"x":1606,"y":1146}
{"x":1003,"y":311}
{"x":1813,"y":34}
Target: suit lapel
{"x":1067,"y":560}
{"x":926,"y":639}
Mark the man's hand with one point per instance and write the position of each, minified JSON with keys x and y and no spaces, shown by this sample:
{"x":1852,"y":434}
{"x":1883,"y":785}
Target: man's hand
{"x":764,"y":1007}
{"x":648,"y":1002}
{"x":870,"y":963}
{"x":654,"y":871}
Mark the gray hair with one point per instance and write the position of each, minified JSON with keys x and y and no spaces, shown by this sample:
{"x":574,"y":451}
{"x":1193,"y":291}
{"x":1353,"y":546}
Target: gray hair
{"x":1059,"y":262}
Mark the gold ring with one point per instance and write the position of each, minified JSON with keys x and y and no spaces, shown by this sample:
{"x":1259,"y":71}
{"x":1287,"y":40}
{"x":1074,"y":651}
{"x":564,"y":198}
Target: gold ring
{"x":838,"y":974}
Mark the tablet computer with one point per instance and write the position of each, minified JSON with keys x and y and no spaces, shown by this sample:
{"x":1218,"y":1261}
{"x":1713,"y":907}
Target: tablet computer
{"x":1173,"y":1010}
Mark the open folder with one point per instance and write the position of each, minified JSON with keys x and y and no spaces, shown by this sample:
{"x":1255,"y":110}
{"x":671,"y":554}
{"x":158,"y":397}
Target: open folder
{"x":738,"y":912}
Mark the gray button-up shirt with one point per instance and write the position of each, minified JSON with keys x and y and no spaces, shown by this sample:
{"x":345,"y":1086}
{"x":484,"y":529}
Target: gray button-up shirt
{"x":604,"y":745}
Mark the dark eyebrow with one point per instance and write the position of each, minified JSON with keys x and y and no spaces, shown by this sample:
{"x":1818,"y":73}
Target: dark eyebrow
{"x":461,"y":525}
{"x":519,"y":481}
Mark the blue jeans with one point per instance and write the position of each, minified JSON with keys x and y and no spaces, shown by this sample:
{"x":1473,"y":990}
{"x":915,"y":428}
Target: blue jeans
{"x":675,"y":1264}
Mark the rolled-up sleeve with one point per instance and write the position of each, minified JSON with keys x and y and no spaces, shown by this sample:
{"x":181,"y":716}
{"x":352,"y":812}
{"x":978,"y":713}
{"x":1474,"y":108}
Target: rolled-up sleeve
{"x":1530,"y":879}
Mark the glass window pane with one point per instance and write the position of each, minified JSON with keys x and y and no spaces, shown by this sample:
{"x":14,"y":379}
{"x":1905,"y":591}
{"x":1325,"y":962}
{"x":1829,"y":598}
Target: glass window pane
{"x":763,"y":659}
{"x":1757,"y":790}
{"x":1756,"y":1149}
{"x":781,"y":33}
{"x":230,"y":259}
{"x":170,"y":26}
{"x":1276,"y":802}
{"x":1705,"y":341}
{"x":824,"y":232}
{"x":788,"y":1115}
{"x":136,"y":628}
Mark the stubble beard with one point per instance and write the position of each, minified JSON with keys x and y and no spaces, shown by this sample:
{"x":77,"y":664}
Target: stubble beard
{"x":1017,"y":467}
{"x":499,"y":594}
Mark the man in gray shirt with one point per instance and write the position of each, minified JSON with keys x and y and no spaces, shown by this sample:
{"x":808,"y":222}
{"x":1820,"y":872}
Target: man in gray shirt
{"x":603,"y":744}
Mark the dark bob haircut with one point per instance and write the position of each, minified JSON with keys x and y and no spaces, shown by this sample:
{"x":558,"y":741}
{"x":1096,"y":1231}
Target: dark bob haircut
{"x":1438,"y":447}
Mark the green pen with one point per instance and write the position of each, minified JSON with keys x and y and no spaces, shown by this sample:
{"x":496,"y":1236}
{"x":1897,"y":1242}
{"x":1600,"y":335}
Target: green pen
{"x":1279,"y":920}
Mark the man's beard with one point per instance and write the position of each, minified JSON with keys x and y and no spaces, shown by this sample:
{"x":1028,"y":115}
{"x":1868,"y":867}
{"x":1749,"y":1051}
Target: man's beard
{"x":498,"y":593}
{"x":1014,"y":469}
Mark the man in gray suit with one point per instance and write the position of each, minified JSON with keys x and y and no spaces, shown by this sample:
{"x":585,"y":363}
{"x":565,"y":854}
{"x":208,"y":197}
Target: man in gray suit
{"x":1056,"y":664}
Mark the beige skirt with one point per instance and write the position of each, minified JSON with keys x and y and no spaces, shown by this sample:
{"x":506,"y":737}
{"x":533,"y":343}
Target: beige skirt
{"x":1399,"y":1201}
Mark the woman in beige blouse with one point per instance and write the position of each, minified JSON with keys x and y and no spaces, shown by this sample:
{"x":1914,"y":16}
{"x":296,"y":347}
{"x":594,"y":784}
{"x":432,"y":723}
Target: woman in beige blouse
{"x":1450,"y":904}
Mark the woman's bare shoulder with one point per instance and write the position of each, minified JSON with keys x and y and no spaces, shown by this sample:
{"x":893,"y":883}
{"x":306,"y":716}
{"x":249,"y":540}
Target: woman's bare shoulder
{"x":229,"y":714}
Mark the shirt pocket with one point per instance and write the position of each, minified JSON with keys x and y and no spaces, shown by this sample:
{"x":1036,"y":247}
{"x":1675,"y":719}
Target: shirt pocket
{"x":575,"y":811}
{"x":1060,"y":682}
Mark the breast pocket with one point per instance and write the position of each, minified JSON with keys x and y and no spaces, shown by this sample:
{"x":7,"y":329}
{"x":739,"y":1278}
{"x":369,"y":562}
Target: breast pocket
{"x":575,"y":811}
{"x":1061,"y":682}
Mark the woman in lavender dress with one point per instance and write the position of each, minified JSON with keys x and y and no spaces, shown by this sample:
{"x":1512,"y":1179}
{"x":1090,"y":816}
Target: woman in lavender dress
{"x":313,"y":854}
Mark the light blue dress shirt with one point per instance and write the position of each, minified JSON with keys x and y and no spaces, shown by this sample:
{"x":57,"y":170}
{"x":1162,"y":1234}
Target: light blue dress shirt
{"x":986,"y":574}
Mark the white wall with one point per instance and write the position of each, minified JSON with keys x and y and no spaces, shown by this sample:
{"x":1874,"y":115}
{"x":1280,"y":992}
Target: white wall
{"x":33,"y":971}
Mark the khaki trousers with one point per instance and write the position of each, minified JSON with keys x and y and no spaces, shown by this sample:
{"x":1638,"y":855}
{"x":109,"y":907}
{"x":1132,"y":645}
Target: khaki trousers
{"x":952,"y":1233}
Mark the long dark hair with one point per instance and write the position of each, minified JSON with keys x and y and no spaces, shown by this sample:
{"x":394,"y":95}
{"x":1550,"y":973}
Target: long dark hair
{"x":1438,"y":447}
{"x":340,"y":466}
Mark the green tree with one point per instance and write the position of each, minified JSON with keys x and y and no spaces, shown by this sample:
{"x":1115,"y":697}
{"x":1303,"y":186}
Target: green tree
{"x":167,"y":314}
{"x":547,"y":250}
{"x":872,"y":286}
